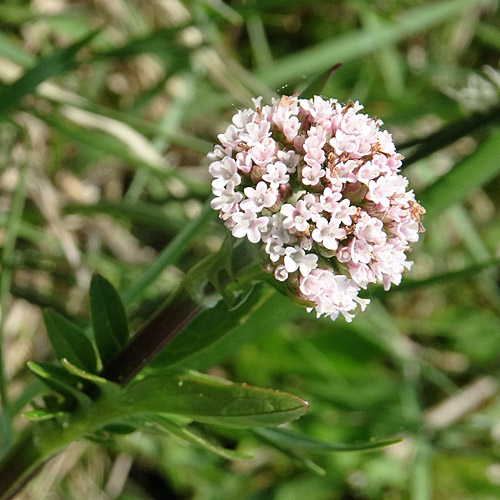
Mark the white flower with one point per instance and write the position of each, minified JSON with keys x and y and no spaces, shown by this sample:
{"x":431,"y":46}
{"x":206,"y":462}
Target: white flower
{"x":276,"y":173}
{"x":296,"y":258}
{"x":248,"y":224}
{"x":259,"y":198}
{"x":312,"y":175}
{"x":296,"y":217}
{"x":328,"y":232}
{"x":226,"y":198}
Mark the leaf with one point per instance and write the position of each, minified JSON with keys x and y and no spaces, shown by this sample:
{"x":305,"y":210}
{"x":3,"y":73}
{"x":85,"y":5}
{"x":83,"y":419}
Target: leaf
{"x":290,"y":453}
{"x":109,"y":320}
{"x":189,"y":435}
{"x":319,"y":84}
{"x":69,"y":341}
{"x":56,"y":63}
{"x":74,"y":370}
{"x":449,"y":134}
{"x":296,"y":440}
{"x":39,"y":415}
{"x":208,"y":328}
{"x":60,"y":381}
{"x":468,"y":174}
{"x":171,"y":253}
{"x":436,"y":279}
{"x":211,"y":400}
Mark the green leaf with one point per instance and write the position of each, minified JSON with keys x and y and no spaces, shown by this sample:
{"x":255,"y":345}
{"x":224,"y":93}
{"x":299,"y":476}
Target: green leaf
{"x":69,"y":341}
{"x":39,"y":415}
{"x":60,"y":381}
{"x":74,"y":370}
{"x":211,"y":400}
{"x":56,"y":63}
{"x":208,"y":328}
{"x":468,"y":174}
{"x":357,"y":43}
{"x":319,"y":84}
{"x":171,"y":253}
{"x":449,"y":134}
{"x":109,"y":321}
{"x":290,"y":453}
{"x":297,"y":440}
{"x":194,"y":437}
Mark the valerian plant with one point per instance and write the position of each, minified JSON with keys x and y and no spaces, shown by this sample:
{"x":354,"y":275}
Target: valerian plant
{"x":317,"y":185}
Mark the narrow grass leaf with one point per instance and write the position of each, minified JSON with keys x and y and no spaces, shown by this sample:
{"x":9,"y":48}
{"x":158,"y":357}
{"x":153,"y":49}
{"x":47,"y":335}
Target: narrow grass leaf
{"x":14,"y":52}
{"x":470,"y":173}
{"x":69,"y":341}
{"x":56,"y":63}
{"x":170,"y":254}
{"x":449,"y":134}
{"x":109,"y":321}
{"x":212,"y":400}
{"x":357,"y":43}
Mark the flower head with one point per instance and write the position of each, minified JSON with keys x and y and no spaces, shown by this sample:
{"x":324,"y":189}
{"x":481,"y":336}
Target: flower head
{"x":318,"y":184}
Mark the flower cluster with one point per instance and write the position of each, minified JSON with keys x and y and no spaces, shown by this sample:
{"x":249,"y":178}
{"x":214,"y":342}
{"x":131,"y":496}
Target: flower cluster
{"x":317,"y":184}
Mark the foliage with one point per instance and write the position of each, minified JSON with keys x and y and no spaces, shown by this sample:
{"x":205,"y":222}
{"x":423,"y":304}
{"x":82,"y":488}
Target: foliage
{"x":103,"y":135}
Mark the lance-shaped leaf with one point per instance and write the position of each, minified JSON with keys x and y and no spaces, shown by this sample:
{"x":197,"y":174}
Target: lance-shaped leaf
{"x":194,"y":437}
{"x":209,"y":327}
{"x":293,"y":455}
{"x":69,"y":341}
{"x":293,"y":439}
{"x":211,"y":400}
{"x":60,"y":381}
{"x":109,"y":320}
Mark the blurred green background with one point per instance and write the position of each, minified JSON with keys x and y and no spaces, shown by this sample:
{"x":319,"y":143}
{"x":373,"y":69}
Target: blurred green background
{"x":103,"y":161}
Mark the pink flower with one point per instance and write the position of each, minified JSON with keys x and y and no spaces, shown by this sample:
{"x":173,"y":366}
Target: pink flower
{"x":248,"y":224}
{"x":318,"y":185}
{"x":328,"y":233}
{"x":259,"y":198}
{"x":296,"y":217}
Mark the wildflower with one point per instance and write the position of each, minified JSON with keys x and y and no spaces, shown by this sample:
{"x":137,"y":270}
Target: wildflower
{"x":318,"y":185}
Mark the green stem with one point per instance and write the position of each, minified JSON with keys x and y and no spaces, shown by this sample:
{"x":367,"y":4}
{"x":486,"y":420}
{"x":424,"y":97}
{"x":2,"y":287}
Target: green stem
{"x":44,"y":440}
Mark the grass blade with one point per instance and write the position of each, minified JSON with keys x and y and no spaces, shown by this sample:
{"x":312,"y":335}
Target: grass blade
{"x":12,"y":230}
{"x":470,"y":173}
{"x":47,"y":67}
{"x":361,"y":42}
